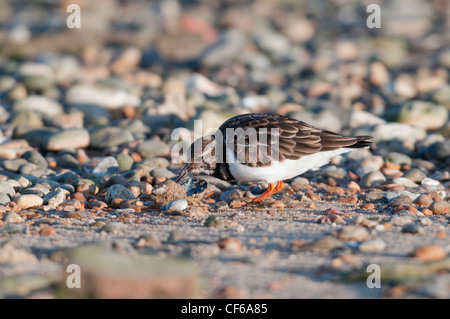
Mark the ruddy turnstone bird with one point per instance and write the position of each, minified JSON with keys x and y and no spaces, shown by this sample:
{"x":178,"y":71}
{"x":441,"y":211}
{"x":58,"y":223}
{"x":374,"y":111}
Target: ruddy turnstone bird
{"x":266,"y":148}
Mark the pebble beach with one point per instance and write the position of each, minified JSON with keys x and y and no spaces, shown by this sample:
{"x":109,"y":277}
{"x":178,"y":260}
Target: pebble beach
{"x":92,"y":118}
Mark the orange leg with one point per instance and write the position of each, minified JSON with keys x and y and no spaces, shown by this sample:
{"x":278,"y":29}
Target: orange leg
{"x":270,"y":191}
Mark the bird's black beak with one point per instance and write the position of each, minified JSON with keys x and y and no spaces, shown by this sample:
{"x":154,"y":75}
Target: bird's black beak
{"x":184,"y":171}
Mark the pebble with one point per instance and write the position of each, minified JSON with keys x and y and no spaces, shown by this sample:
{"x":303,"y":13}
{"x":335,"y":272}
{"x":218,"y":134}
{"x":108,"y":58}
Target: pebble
{"x":47,"y":231}
{"x":4,"y":199}
{"x":230,"y":195}
{"x":114,"y":227}
{"x":428,"y":253}
{"x":161,"y":172}
{"x":398,"y":158}
{"x":440,"y":207}
{"x":6,"y":188}
{"x":28,"y":201}
{"x":55,"y":197}
{"x":402,"y":218}
{"x":424,"y":200}
{"x":68,"y":139}
{"x":109,"y":136}
{"x":413,"y":229}
{"x":372,"y":245}
{"x":11,"y":217}
{"x":415,"y":175}
{"x":439,"y":150}
{"x":214,"y":221}
{"x":422,"y":114}
{"x":353,"y":233}
{"x":118,"y":191}
{"x":12,"y":253}
{"x":372,"y":179}
{"x":125,"y":161}
{"x":14,"y":164}
{"x":430,"y":182}
{"x":230,"y":244}
{"x":393,"y":195}
{"x":324,"y":245}
{"x":40,"y":104}
{"x":153,"y":148}
{"x":104,"y":95}
{"x":402,"y":181}
{"x":107,"y":166}
{"x":35,"y":158}
{"x":176,"y":205}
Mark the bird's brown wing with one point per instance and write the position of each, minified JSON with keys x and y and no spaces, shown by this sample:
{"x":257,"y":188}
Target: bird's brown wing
{"x":259,"y":139}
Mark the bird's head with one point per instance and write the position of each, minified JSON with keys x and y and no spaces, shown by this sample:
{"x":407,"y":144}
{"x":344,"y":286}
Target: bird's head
{"x":201,"y":157}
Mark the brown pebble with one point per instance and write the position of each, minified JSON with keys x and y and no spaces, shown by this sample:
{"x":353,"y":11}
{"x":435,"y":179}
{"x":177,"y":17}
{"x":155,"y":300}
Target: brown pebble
{"x":160,"y":180}
{"x":98,"y":204}
{"x":312,"y":196}
{"x":440,"y":207}
{"x":87,"y":189}
{"x":428,"y":253}
{"x":78,"y":196}
{"x":348,"y":200}
{"x":423,"y":200}
{"x":331,"y":181}
{"x":427,"y":212}
{"x":236,"y":203}
{"x":47,"y":231}
{"x":354,"y":185}
{"x":353,"y":176}
{"x":412,"y":210}
{"x":231,"y":244}
{"x":368,"y":206}
{"x":441,"y":234}
{"x":391,"y":165}
{"x":117,"y":202}
{"x":76,"y":215}
{"x":331,"y":219}
{"x":387,"y":225}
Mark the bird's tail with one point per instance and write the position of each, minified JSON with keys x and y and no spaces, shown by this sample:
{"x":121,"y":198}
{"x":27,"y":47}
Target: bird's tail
{"x":361,"y":142}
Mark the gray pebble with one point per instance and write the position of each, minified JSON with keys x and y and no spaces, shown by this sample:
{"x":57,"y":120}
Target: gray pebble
{"x":153,"y":148}
{"x":415,"y":175}
{"x":14,"y":164}
{"x":36,"y":158}
{"x":68,"y":139}
{"x":109,"y":136}
{"x":106,"y":166}
{"x":413,"y":229}
{"x":4,"y":199}
{"x":68,"y":161}
{"x":398,"y":158}
{"x":11,"y":217}
{"x":118,"y":191}
{"x":214,"y":221}
{"x":125,"y":161}
{"x":161,"y":172}
{"x":6,"y":188}
{"x":372,"y":179}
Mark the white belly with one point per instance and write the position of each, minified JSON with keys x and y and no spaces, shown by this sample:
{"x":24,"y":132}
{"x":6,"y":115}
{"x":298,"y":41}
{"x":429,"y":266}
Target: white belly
{"x":278,"y":171}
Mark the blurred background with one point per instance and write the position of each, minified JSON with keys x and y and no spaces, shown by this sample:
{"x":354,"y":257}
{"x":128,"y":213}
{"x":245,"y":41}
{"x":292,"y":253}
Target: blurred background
{"x":178,"y":60}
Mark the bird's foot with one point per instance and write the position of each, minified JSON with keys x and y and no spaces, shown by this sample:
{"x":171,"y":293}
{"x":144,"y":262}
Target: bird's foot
{"x":272,"y":189}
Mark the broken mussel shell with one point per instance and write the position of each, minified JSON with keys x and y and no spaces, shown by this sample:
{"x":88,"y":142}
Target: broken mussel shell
{"x":194,"y":185}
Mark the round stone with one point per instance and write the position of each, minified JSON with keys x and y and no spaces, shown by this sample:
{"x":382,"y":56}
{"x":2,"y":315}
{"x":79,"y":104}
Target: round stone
{"x":28,"y":201}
